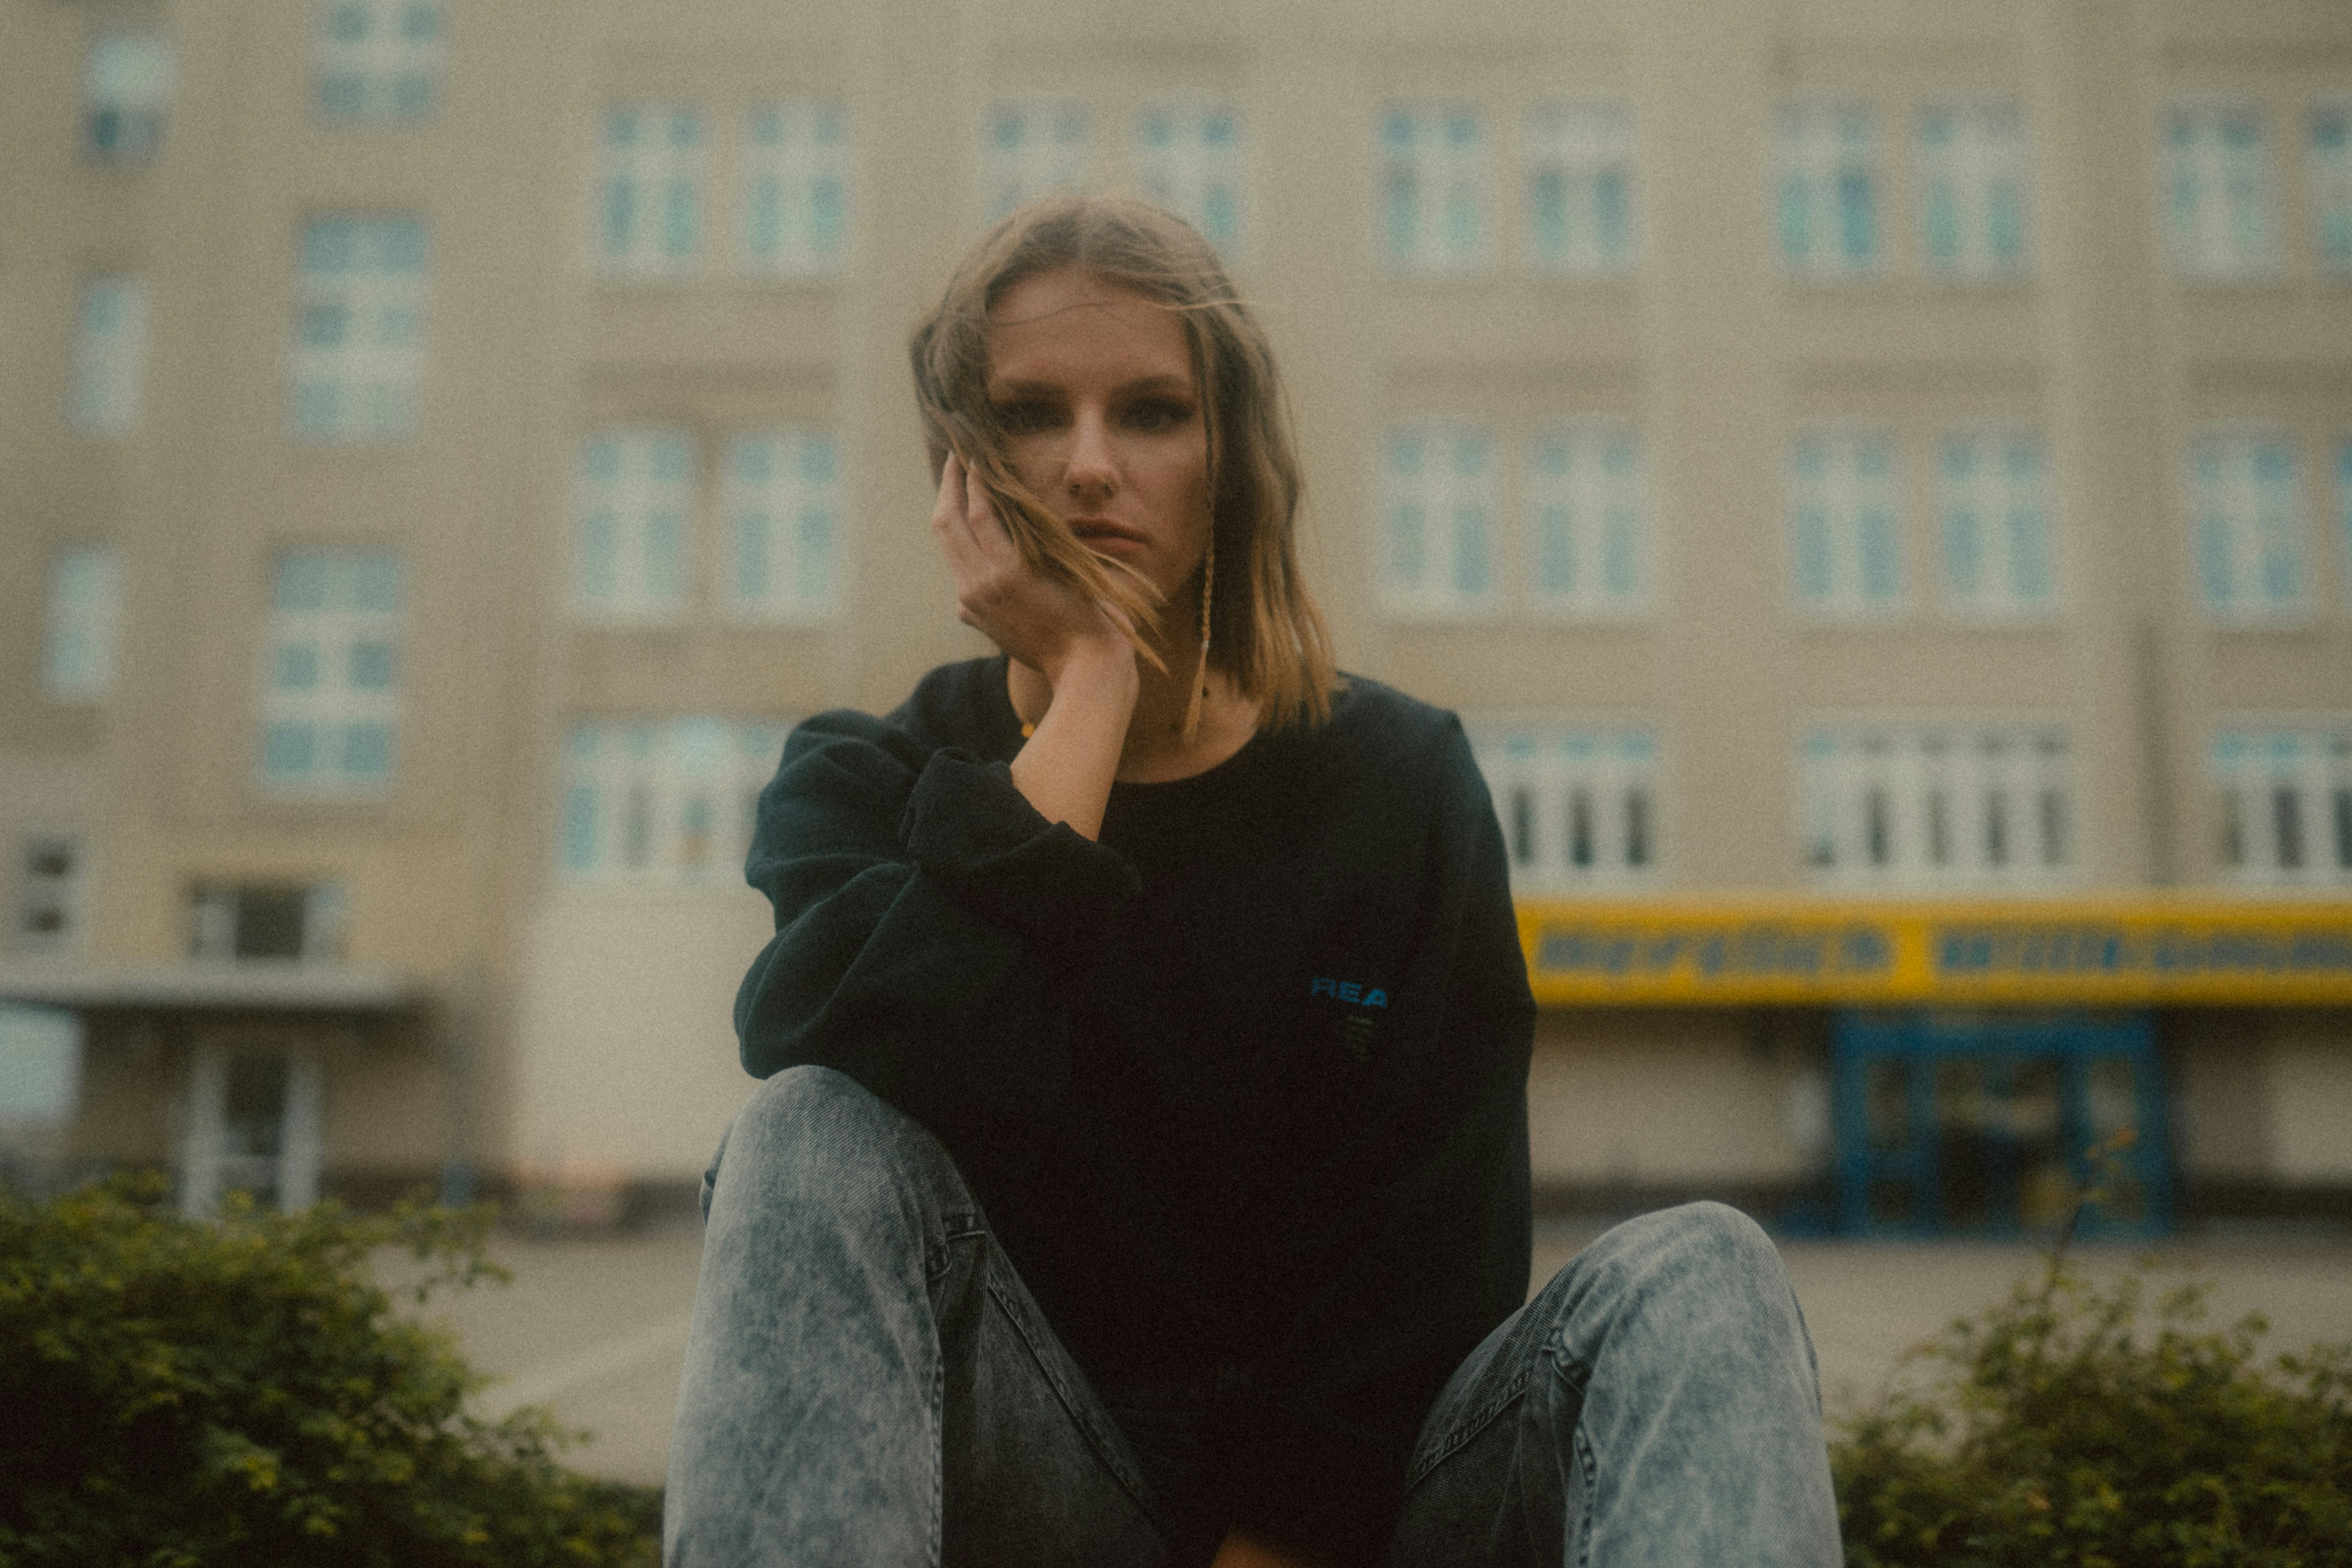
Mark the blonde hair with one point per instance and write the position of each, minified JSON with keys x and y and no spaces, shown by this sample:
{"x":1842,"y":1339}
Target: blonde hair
{"x":1264,"y":630}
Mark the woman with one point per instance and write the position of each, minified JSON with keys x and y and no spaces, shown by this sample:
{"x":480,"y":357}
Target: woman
{"x":1140,"y":1171}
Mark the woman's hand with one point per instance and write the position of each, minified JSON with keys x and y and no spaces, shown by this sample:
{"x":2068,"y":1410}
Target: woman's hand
{"x":1042,"y":622}
{"x":1066,"y":767}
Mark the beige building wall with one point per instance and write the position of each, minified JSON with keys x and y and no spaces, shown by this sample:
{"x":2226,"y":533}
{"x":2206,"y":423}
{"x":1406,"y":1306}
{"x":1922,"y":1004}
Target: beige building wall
{"x":573,"y":1021}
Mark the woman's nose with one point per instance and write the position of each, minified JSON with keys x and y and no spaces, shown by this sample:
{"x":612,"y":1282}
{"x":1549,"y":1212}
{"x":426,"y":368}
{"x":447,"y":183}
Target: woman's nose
{"x":1092,"y":470}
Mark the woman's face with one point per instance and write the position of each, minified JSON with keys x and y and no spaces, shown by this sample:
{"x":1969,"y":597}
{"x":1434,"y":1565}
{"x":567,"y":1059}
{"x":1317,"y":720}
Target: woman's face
{"x":1093,"y":386}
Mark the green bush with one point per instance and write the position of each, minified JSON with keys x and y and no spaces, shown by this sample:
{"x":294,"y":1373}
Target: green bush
{"x":2054,"y":1430}
{"x":177,"y":1394}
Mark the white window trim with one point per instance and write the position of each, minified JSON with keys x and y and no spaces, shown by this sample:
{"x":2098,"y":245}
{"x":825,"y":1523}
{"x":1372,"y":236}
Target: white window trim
{"x":1548,"y":876}
{"x":1591,"y":608}
{"x":1844,"y":604}
{"x":2319,"y":875}
{"x":1428,"y":606}
{"x":2005,"y":610}
{"x":2288,"y":614}
{"x":2026,"y":877}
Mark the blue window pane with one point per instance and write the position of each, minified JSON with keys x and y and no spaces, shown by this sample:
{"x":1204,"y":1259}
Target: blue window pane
{"x":831,"y":127}
{"x":1612,"y":220}
{"x":317,"y":409}
{"x":342,"y":95}
{"x":1812,"y":545}
{"x":1621,"y":560}
{"x":620,"y":215}
{"x":684,"y":128}
{"x":1403,"y":215}
{"x":328,"y":245}
{"x":296,"y":668}
{"x":2005,"y":221}
{"x":375,"y":581}
{"x":1963,"y":553}
{"x":1461,"y":220}
{"x":289,"y":750}
{"x":367,"y":751}
{"x":599,"y":556}
{"x":372,"y":666}
{"x":579,"y":827}
{"x":1397,"y":130}
{"x":1007,"y":130}
{"x":402,"y":243}
{"x":816,"y":460}
{"x":621,"y":128}
{"x":828,"y":220}
{"x":767,"y":128}
{"x":763,"y":220}
{"x":1796,"y":220}
{"x":1405,"y":455}
{"x":600,"y":459}
{"x":1408,"y":545}
{"x":669,"y":460}
{"x":1461,"y":130}
{"x":751,"y":568}
{"x":1472,"y":570}
{"x":414,"y":95}
{"x":1219,"y":216}
{"x":2213,"y":560}
{"x":1155,"y":130}
{"x":421,"y":24}
{"x":815,"y":554}
{"x":301,"y":582}
{"x":1556,"y":558}
{"x":1547,"y":200}
{"x":1857,"y":218}
{"x":681,"y":218}
{"x":752,"y":457}
{"x":323,"y":326}
{"x":1942,"y":220}
{"x":348,"y":23}
{"x":1879,"y":575}
{"x":2029,"y":554}
{"x":1217,"y":131}
{"x":665,"y":533}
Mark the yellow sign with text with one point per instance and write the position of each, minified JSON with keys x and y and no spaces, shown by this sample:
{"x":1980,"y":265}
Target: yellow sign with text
{"x":1728,"y":952}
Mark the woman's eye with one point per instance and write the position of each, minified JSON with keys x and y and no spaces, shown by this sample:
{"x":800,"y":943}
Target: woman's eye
{"x":1023,"y":416}
{"x":1159,"y":415}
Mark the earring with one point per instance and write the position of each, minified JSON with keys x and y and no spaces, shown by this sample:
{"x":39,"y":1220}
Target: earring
{"x":1200,"y":686}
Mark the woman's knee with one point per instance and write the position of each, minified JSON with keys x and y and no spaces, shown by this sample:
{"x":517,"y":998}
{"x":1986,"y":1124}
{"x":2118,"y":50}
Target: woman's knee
{"x":816,"y":1137}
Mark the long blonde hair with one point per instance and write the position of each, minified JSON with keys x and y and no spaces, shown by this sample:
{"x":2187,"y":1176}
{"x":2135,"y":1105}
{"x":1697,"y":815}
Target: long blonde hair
{"x":1264,"y":630}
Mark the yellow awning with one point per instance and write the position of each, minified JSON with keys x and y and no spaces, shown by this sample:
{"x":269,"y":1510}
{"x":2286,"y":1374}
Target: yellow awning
{"x":1733,"y":950}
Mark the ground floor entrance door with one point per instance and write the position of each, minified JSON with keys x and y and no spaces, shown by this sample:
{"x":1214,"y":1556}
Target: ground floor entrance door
{"x":1981,"y":1124}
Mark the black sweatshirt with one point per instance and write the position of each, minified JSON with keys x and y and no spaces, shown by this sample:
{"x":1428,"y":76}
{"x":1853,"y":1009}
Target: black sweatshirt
{"x":1242,"y":1087}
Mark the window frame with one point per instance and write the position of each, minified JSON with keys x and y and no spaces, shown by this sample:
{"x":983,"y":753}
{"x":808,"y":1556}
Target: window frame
{"x":1553,"y":138}
{"x":2323,"y":833}
{"x":2190,"y":245}
{"x":1844,"y":601}
{"x":1594,"y":607}
{"x":1450,"y":172}
{"x":152,"y":119}
{"x":604,"y":800}
{"x":381,"y":64}
{"x":1426,"y":602}
{"x":654,"y":173}
{"x":732,"y":490}
{"x":104,"y":640}
{"x":2267,"y":612}
{"x":2006,"y":607}
{"x":333,"y":710}
{"x":1551,"y":772}
{"x":1826,"y":169}
{"x":1981,"y":165}
{"x":1906,"y":804}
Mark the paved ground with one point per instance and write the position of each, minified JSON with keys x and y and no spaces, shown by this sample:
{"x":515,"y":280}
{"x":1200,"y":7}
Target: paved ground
{"x":596,"y":1328}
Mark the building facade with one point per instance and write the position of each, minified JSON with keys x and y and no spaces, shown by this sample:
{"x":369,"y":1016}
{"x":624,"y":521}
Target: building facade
{"x":1875,"y":478}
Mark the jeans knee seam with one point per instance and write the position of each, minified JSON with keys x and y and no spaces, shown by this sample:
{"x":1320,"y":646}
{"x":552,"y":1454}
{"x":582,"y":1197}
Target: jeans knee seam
{"x":1104,"y":1455}
{"x":1469,"y":1427}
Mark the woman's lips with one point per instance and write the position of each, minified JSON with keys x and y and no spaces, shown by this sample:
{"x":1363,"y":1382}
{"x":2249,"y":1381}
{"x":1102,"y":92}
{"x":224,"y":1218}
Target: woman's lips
{"x":1108,"y":538}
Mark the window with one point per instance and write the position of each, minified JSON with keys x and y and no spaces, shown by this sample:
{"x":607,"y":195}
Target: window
{"x":40,"y":1066}
{"x":1581,"y":187}
{"x":250,"y":920}
{"x":1826,"y":160}
{"x":2331,"y":185}
{"x":795,"y":188}
{"x":636,"y":488}
{"x":49,"y":876}
{"x":126,"y":91}
{"x":1433,"y":196}
{"x":1585,"y":491}
{"x":1579,"y":806}
{"x":661,"y":801}
{"x":2246,"y":507}
{"x":782,"y":506}
{"x":78,"y":660}
{"x":1993,"y":511}
{"x":1972,"y":189}
{"x":1187,"y":160}
{"x":2285,"y":805}
{"x":1437,"y":518}
{"x":378,"y":59}
{"x":331,"y":684}
{"x":110,"y":351}
{"x":1936,"y":805}
{"x":1848,"y":555}
{"x":254,"y":1124}
{"x":359,"y":329}
{"x":1035,"y":147}
{"x":2344,"y":509}
{"x":2217,"y":207}
{"x":651,"y":185}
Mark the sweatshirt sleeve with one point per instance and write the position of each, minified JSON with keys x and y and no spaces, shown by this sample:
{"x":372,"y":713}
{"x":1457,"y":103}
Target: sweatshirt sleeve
{"x":1419,"y":1242}
{"x":926,"y":920}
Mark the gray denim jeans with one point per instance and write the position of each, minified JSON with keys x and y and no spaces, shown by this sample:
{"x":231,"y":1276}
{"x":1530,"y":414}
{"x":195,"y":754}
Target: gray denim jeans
{"x":869,"y":1383}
